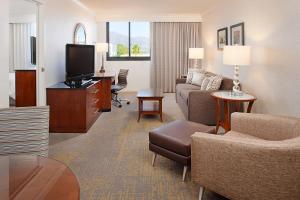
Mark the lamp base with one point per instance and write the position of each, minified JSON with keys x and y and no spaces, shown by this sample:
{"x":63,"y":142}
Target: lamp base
{"x":102,"y":70}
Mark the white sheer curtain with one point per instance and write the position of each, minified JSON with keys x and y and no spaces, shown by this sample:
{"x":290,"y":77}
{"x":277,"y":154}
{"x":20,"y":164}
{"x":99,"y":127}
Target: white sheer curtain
{"x":169,"y":51}
{"x":19,"y":45}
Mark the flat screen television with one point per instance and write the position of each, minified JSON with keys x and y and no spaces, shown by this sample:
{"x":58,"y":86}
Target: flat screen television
{"x":80,"y":61}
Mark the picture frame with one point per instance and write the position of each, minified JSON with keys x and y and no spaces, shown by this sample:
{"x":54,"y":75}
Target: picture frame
{"x":237,"y":34}
{"x":222,"y":38}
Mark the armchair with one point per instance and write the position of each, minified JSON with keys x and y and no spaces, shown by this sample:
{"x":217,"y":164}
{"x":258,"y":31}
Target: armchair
{"x":258,"y":159}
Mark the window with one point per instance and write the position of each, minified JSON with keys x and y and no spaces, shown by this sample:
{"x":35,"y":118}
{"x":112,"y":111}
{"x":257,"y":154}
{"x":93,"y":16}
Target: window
{"x":128,"y":40}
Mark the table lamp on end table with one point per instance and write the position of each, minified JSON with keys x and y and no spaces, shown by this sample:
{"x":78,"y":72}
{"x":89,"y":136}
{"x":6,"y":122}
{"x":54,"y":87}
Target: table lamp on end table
{"x":102,"y":48}
{"x":237,"y":56}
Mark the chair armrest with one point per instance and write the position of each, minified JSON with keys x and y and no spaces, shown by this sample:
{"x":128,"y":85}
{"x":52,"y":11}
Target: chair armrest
{"x":252,"y":168}
{"x":267,"y":127}
{"x":180,"y":80}
{"x":202,"y":107}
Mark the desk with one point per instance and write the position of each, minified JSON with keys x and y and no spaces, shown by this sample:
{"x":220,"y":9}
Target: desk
{"x":227,"y":97}
{"x":34,"y":177}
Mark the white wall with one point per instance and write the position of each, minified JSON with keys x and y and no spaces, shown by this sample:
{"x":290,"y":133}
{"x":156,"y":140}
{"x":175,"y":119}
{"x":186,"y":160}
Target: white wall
{"x":139,"y":71}
{"x":60,"y":17}
{"x":272,"y":29}
{"x":4,"y":56}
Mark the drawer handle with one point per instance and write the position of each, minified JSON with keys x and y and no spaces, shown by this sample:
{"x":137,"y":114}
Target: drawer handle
{"x":95,"y":92}
{"x":95,"y":102}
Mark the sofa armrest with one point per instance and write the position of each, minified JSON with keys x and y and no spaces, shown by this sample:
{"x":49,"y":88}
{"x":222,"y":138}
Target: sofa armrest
{"x":202,"y":107}
{"x":267,"y":127}
{"x":252,"y":168}
{"x":180,"y":80}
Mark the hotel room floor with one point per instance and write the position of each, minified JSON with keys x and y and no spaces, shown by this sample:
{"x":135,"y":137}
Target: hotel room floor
{"x":112,"y":160}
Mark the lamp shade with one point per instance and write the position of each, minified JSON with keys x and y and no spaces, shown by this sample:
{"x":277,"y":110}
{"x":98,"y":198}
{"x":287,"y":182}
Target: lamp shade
{"x":102,"y":47}
{"x":236,"y":55}
{"x":196,"y":53}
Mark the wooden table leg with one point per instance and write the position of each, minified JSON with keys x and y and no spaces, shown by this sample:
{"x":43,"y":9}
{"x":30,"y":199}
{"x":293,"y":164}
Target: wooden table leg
{"x":140,"y":109}
{"x":226,"y":116}
{"x":218,"y":113}
{"x":250,"y":106}
{"x":160,"y":110}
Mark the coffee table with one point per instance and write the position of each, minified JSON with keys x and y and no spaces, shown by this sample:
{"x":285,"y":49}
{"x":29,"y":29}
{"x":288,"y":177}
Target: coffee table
{"x":150,"y":102}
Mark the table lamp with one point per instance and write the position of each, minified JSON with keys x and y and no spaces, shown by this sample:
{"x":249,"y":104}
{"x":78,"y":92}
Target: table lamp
{"x":102,"y":48}
{"x":196,"y":54}
{"x":237,"y":56}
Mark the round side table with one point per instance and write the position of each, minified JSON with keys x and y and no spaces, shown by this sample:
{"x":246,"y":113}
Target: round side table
{"x":229,"y":98}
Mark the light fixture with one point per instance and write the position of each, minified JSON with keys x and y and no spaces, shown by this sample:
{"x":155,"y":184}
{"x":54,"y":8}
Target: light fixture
{"x":196,"y":54}
{"x":237,"y":56}
{"x":102,"y":48}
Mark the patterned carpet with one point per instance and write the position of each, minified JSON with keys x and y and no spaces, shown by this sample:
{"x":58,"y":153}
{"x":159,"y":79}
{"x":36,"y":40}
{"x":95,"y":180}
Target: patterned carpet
{"x":112,"y":160}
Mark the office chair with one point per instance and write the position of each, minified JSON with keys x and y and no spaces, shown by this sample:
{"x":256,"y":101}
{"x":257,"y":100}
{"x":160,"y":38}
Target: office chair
{"x":122,"y":83}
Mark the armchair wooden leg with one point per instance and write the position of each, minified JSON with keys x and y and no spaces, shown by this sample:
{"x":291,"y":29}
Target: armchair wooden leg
{"x":153,"y":158}
{"x":201,"y":193}
{"x":184,"y":172}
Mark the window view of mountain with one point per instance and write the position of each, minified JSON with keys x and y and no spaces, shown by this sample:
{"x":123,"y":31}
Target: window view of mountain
{"x":139,"y":39}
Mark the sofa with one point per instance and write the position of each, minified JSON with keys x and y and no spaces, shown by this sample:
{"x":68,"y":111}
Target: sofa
{"x":258,"y":159}
{"x":198,"y":105}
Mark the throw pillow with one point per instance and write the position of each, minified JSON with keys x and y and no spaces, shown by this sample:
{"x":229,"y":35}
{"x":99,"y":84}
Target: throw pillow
{"x":205,"y":82}
{"x":189,"y":77}
{"x":198,"y":78}
{"x":191,"y":73}
{"x":214,"y":82}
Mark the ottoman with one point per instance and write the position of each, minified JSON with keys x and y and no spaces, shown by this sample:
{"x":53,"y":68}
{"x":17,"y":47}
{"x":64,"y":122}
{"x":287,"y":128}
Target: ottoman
{"x":173,"y":141}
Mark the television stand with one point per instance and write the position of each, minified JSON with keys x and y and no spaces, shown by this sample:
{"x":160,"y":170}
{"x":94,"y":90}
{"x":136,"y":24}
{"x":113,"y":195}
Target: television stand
{"x":78,"y":83}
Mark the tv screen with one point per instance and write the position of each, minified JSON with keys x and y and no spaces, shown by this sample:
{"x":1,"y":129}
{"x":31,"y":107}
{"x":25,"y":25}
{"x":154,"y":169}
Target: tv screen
{"x":80,"y":61}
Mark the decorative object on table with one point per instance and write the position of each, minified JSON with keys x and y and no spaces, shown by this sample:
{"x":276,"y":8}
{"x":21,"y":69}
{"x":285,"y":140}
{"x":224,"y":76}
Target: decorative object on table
{"x":79,"y":34}
{"x":228,"y":97}
{"x":237,"y":56}
{"x":102,"y":48}
{"x":237,"y":34}
{"x":196,"y":54}
{"x":222,"y":38}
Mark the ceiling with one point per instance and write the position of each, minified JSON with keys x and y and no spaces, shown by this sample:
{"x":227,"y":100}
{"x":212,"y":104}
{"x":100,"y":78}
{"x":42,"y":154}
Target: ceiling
{"x":148,"y":7}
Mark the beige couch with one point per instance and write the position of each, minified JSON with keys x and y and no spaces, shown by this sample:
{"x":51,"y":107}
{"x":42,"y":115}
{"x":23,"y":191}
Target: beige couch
{"x":197,"y":105}
{"x":259,"y":159}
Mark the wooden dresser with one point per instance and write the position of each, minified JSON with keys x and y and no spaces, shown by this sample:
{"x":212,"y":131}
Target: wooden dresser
{"x":25,"y":88}
{"x":74,"y":110}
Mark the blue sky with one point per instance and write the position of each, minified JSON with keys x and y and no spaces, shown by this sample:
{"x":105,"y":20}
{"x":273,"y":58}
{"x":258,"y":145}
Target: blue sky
{"x":138,"y":29}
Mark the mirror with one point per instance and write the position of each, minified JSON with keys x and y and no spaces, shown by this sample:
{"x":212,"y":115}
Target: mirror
{"x":80,"y":34}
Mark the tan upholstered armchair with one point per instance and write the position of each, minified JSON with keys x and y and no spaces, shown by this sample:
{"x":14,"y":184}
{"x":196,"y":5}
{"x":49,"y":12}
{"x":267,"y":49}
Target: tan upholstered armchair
{"x":258,"y":159}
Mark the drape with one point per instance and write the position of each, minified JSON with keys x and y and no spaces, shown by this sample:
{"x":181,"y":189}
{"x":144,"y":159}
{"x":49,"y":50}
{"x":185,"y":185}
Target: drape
{"x":19,"y":45}
{"x":170,"y":42}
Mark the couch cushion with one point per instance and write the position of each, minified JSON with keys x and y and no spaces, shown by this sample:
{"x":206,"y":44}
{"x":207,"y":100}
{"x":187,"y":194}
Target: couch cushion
{"x":185,"y":86}
{"x":176,"y":136}
{"x":185,"y":95}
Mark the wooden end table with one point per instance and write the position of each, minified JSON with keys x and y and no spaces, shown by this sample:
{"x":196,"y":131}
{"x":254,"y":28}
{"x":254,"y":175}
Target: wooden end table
{"x":153,"y":106}
{"x":228,"y":98}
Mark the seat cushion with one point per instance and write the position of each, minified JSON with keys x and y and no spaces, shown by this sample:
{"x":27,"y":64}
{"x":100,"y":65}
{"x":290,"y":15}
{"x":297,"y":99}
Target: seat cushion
{"x":176,"y":136}
{"x":185,"y":86}
{"x":185,"y":95}
{"x":117,"y":87}
{"x":240,"y":135}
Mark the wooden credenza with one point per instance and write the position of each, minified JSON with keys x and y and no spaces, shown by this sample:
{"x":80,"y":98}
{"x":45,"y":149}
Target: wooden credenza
{"x":74,"y":110}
